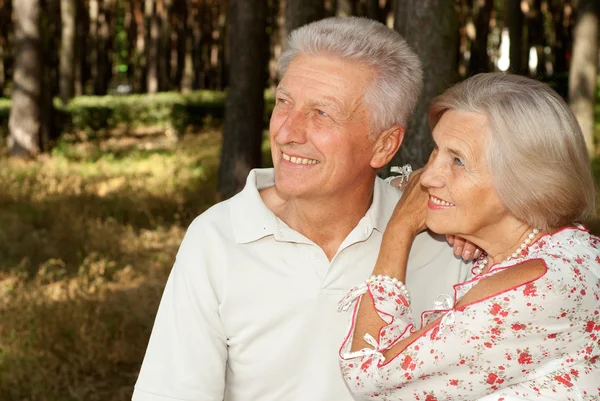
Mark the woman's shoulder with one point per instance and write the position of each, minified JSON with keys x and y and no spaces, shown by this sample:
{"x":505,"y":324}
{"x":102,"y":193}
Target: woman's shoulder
{"x":569,"y":251}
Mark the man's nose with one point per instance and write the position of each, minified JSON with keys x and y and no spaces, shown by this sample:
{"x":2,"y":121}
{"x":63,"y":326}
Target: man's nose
{"x":293,"y":129}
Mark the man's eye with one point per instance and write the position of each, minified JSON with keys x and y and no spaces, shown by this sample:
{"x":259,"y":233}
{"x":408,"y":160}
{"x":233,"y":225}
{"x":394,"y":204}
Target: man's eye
{"x":281,"y":100}
{"x":322,"y":113}
{"x":458,"y":162}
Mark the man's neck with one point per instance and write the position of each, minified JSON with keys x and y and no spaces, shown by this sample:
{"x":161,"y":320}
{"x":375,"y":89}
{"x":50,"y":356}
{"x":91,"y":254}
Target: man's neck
{"x":325,"y":221}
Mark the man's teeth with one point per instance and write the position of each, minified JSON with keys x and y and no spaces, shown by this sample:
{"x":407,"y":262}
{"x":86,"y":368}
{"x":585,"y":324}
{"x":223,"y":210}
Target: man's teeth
{"x":298,"y":160}
{"x":439,"y":201}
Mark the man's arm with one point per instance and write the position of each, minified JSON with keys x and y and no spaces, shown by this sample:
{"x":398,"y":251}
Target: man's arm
{"x":187,"y":352}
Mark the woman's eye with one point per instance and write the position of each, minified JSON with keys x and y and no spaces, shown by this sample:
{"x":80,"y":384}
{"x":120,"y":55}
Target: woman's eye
{"x":458,"y":162}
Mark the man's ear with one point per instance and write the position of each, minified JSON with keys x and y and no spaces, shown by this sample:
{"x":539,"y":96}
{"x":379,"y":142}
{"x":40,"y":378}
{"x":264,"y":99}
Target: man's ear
{"x":386,"y":146}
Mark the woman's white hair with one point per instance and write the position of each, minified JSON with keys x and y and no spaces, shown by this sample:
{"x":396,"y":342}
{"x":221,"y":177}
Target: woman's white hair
{"x":537,"y":154}
{"x":392,"y":97}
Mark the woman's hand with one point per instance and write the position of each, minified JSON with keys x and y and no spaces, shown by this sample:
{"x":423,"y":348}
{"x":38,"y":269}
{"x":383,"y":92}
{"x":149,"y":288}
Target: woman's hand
{"x":410,"y":212}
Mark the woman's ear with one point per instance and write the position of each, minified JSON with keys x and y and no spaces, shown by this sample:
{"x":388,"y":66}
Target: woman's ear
{"x":386,"y":146}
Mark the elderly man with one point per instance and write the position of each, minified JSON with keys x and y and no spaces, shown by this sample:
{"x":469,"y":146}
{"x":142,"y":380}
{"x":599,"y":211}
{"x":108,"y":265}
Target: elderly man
{"x":249,"y":310}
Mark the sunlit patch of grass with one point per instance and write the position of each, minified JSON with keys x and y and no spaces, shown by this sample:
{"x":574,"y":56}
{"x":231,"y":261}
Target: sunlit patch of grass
{"x":87,"y":238}
{"x":68,"y":206}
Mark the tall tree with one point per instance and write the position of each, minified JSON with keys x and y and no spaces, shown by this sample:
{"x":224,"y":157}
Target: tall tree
{"x":182,"y":34}
{"x":244,"y":108}
{"x":25,"y":128}
{"x":378,"y":10}
{"x":49,"y":26}
{"x":163,"y":11}
{"x":137,"y":55}
{"x":93,"y":39}
{"x":68,"y":9}
{"x":563,"y":32}
{"x":5,"y":43}
{"x":536,"y":37}
{"x":514,"y":16}
{"x":191,"y":32}
{"x":479,"y":61}
{"x":301,"y":12}
{"x":104,"y":46}
{"x":345,"y":8}
{"x":584,"y":68}
{"x":82,"y":64}
{"x":431,"y":29}
{"x":152,"y":33}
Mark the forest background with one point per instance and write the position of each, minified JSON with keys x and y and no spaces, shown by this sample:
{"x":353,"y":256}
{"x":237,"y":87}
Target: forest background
{"x":122,"y":120}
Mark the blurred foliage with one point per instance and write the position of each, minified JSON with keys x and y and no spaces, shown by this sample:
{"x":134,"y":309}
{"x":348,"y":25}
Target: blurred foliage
{"x":96,"y":115}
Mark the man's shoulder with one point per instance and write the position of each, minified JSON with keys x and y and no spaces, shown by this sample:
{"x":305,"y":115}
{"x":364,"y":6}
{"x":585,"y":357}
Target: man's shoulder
{"x":430,"y":248}
{"x":217,"y":217}
{"x":387,"y":191}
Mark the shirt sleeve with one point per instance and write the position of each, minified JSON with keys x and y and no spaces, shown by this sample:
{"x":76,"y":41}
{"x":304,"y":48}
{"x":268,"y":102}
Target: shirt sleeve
{"x":187,"y":353}
{"x":394,"y":309}
{"x":528,"y":331}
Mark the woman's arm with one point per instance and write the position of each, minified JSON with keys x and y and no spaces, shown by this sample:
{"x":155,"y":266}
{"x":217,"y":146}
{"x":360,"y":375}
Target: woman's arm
{"x":508,"y":328}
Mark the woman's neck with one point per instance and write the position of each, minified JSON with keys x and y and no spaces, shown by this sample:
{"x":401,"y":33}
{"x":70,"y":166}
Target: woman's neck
{"x":501,"y":241}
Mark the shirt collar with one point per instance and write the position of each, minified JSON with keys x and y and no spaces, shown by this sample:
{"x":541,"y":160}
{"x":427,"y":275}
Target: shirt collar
{"x":252,"y":219}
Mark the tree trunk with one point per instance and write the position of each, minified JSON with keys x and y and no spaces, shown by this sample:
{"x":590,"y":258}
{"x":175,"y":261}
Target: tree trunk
{"x":152,"y":32}
{"x":138,"y":56}
{"x":346,"y":8}
{"x":274,"y":27}
{"x":563,"y":35}
{"x":301,"y":12}
{"x":180,"y":18}
{"x":191,"y":30}
{"x":24,"y":121}
{"x":5,"y":45}
{"x":515,"y":32}
{"x":49,"y":34}
{"x":431,"y":29}
{"x":93,"y":39}
{"x":82,"y":26}
{"x":535,"y":36}
{"x":163,"y":44}
{"x":376,"y":12}
{"x":243,"y":127}
{"x":479,"y":61}
{"x":105,"y":24}
{"x":68,"y":9}
{"x":584,"y":68}
{"x":222,"y":45}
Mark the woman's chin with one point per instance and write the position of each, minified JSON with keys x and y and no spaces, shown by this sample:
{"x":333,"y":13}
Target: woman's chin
{"x":438,"y":227}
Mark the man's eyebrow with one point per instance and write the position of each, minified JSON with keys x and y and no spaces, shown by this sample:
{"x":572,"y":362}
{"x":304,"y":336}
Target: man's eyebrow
{"x":282,"y":90}
{"x":330,"y":102}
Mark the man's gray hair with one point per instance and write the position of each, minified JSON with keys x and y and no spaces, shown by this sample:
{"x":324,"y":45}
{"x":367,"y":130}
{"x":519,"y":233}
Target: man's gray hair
{"x":393,"y":95}
{"x":537,"y":154}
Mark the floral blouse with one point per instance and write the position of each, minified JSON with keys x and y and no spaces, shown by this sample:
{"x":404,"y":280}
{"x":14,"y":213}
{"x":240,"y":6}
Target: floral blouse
{"x":535,"y":341}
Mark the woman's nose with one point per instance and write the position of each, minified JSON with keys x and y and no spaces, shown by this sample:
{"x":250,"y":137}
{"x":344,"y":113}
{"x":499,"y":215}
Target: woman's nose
{"x":432,"y":176}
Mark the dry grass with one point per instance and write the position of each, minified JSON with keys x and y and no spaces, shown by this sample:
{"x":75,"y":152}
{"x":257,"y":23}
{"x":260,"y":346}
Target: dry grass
{"x":87,"y":238}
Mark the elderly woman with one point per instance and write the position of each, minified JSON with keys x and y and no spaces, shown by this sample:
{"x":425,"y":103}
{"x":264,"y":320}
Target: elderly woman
{"x":510,"y":173}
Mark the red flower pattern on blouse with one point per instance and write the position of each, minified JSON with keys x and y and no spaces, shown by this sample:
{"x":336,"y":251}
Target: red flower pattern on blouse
{"x":537,"y":341}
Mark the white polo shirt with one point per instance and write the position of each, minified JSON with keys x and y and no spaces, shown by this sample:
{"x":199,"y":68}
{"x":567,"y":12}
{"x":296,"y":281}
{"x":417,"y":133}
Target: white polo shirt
{"x":249,"y":311}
